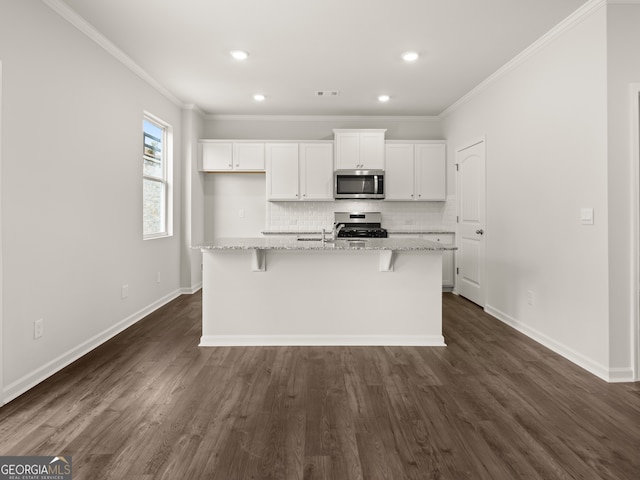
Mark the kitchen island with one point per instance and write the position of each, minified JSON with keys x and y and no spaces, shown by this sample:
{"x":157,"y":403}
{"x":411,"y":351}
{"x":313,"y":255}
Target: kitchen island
{"x":303,"y":291}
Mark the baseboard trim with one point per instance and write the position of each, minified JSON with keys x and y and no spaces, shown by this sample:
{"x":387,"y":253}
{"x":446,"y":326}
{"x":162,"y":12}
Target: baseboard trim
{"x":322,"y":340}
{"x":609,"y":375}
{"x":32,"y":379}
{"x":621,"y":375}
{"x":191,"y":290}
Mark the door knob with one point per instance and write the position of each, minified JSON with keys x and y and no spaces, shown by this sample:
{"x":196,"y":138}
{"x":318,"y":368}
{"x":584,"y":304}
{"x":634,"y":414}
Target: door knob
{"x":480,"y":232}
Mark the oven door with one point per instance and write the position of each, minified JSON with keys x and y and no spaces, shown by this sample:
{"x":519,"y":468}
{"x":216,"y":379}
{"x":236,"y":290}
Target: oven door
{"x":354,"y":184}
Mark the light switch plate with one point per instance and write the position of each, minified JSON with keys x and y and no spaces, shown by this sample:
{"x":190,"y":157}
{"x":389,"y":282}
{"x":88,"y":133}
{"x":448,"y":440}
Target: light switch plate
{"x":586,"y":216}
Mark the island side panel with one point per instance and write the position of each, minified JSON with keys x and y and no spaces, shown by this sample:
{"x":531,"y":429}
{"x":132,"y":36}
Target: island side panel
{"x":322,"y":298}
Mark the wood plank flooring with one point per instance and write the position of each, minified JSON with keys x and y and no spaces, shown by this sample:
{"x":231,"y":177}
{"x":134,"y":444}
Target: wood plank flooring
{"x":150,"y":404}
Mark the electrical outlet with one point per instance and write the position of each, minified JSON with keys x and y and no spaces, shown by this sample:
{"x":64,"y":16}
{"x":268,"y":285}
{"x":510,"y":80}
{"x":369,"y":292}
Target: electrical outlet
{"x":241,"y":213}
{"x":38,"y":328}
{"x":125,"y":291}
{"x":529,"y":297}
{"x":157,"y":277}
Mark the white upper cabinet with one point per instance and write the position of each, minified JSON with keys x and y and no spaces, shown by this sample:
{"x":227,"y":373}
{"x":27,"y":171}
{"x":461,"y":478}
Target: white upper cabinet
{"x":347,"y":146}
{"x":359,"y":149}
{"x":399,"y":175}
{"x":229,"y":156}
{"x":431,"y":172}
{"x":248,"y":157}
{"x":282,"y":171}
{"x":299,"y":171}
{"x":316,"y":171}
{"x":217,"y":156}
{"x":415,"y":171}
{"x":372,"y":150}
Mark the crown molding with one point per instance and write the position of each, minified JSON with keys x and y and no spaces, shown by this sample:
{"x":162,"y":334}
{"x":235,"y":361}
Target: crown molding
{"x":580,"y":14}
{"x":90,"y":31}
{"x":323,"y":118}
{"x":194,"y":108}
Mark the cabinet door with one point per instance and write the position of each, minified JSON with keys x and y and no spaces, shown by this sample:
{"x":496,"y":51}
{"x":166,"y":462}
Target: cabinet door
{"x":347,"y":150}
{"x":217,"y":157}
{"x":282,"y":171}
{"x":372,"y":150}
{"x":248,"y":157}
{"x":399,"y":175}
{"x":431,"y":163}
{"x":448,"y":277}
{"x":316,"y":171}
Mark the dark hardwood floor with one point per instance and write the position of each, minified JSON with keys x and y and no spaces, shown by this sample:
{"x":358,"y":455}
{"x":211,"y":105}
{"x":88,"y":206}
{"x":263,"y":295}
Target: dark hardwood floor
{"x":151,"y":404}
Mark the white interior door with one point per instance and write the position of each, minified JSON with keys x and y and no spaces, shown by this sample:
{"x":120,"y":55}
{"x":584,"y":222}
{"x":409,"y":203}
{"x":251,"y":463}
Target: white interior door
{"x":470,"y":165}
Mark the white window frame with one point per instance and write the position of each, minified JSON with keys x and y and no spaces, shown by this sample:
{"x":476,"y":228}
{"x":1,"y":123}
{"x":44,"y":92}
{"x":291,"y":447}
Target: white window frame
{"x":165,"y":178}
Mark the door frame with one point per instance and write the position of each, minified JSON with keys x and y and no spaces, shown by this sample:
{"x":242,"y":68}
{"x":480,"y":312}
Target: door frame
{"x":463,"y":146}
{"x":635,"y":222}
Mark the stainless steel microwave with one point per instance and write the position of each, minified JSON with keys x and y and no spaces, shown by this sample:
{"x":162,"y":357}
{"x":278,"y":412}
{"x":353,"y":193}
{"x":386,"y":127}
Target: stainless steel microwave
{"x":358,"y":184}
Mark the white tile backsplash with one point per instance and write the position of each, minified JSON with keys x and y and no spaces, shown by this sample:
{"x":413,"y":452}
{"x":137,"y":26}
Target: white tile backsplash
{"x":314,"y":216}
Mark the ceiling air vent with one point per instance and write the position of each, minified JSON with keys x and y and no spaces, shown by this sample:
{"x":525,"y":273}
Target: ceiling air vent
{"x":327,"y":93}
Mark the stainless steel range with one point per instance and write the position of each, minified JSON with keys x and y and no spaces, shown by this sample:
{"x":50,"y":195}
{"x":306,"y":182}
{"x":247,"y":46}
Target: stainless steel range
{"x":359,"y":225}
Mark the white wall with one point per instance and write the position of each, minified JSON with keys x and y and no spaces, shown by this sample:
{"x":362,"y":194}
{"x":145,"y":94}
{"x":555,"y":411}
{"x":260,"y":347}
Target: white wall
{"x":192,"y":200}
{"x":545,"y":122}
{"x":72,"y":194}
{"x":226,"y":195}
{"x":623,"y":69}
{"x":318,"y":127}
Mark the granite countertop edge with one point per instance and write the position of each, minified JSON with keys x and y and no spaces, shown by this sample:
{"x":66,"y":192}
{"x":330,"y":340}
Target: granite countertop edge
{"x":392,"y":232}
{"x":408,"y":244}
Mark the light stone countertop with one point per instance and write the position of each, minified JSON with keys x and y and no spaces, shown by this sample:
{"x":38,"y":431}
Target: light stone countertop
{"x":421,"y":232}
{"x":288,"y":243}
{"x":391,"y":232}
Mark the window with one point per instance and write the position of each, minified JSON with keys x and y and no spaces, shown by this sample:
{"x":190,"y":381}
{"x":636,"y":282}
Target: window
{"x":155,"y":178}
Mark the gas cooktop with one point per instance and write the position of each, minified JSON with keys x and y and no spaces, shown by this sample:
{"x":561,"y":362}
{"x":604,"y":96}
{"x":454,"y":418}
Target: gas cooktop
{"x":359,"y":225}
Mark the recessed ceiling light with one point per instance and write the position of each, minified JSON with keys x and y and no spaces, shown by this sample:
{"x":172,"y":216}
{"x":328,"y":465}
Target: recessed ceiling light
{"x":410,"y":56}
{"x":384,"y":98}
{"x":258,"y":97}
{"x":239,"y":54}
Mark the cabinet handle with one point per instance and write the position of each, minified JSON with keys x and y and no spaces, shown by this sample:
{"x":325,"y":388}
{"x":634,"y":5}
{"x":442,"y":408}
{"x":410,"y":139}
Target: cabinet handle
{"x":230,"y":165}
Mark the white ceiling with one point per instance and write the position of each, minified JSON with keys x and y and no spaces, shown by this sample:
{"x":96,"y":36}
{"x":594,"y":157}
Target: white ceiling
{"x":300,"y":46}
